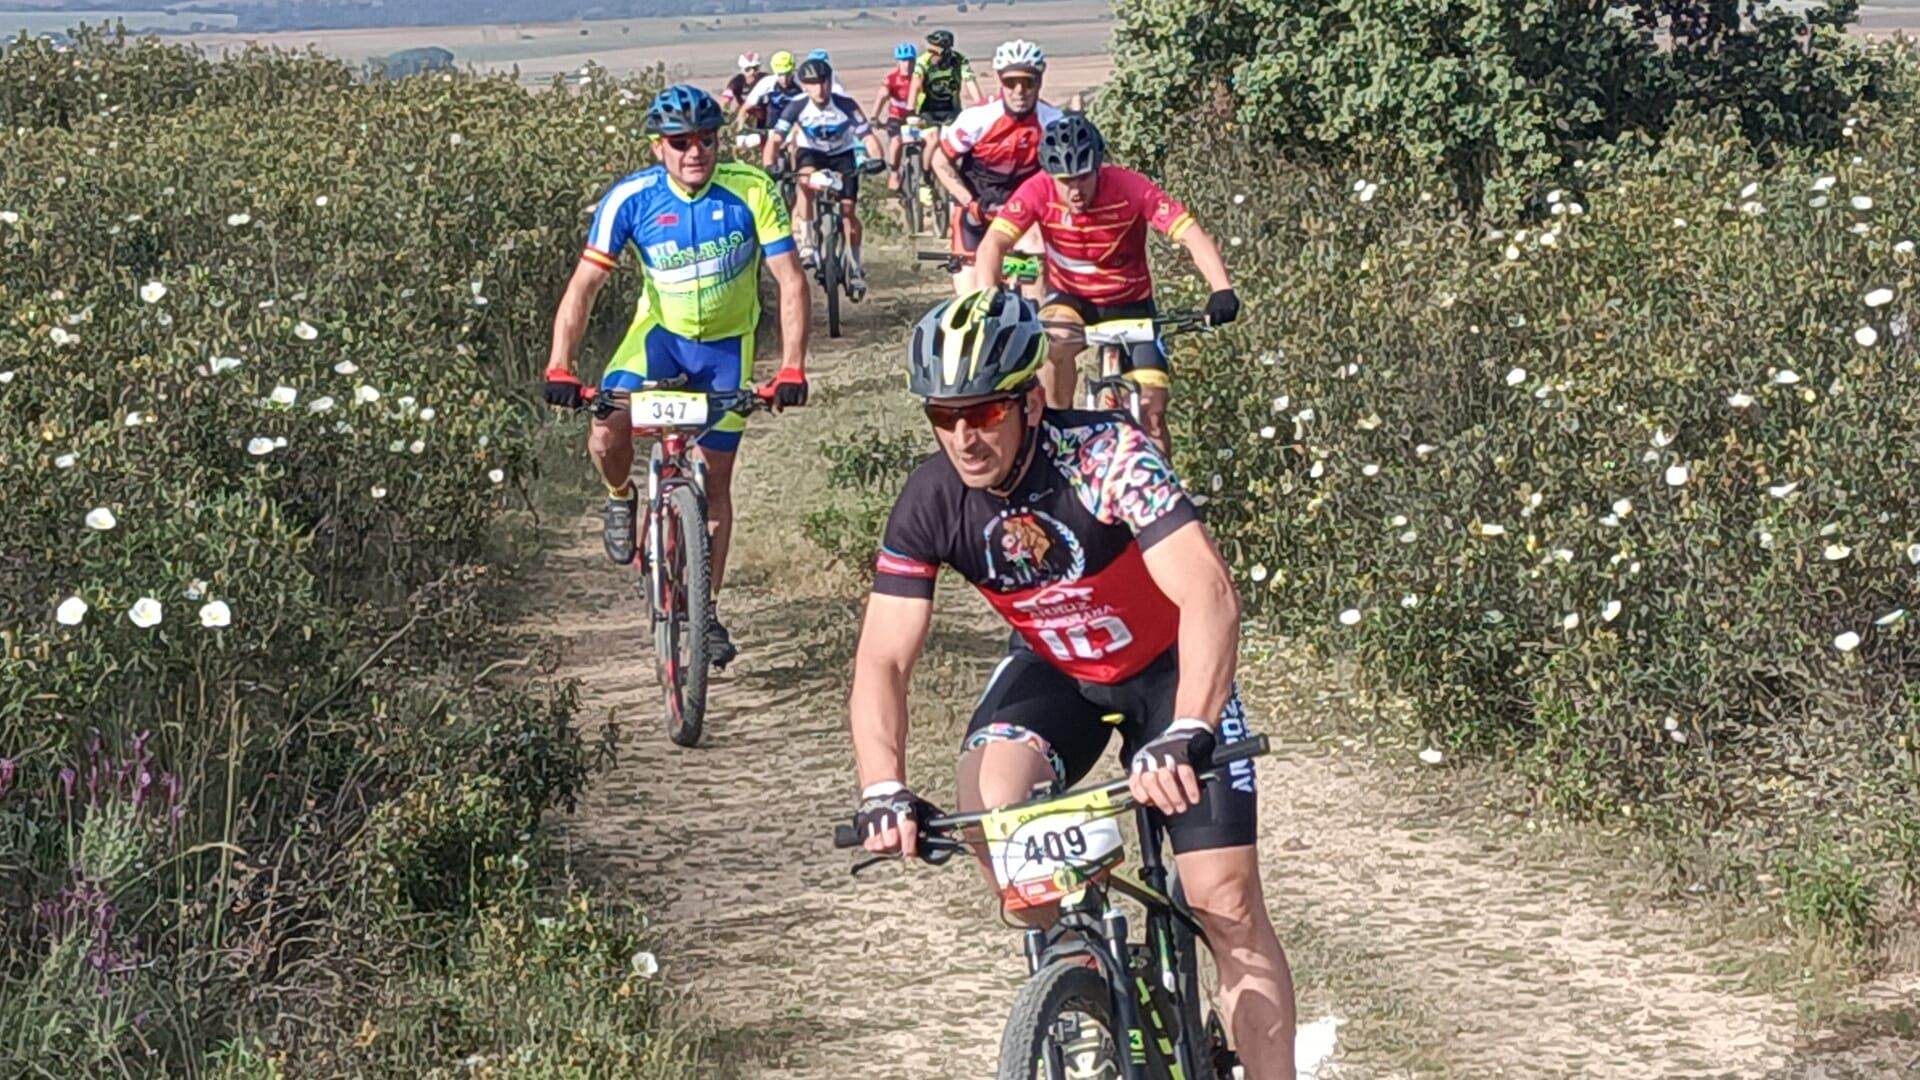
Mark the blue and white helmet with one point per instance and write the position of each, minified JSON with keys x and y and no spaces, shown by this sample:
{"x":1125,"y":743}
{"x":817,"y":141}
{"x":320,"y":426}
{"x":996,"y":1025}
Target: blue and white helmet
{"x":683,"y":108}
{"x":906,"y":51}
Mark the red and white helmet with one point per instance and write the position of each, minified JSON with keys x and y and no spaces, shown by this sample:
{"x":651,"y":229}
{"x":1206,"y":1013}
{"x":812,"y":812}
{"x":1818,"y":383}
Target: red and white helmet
{"x":749,"y":61}
{"x":1019,"y":55}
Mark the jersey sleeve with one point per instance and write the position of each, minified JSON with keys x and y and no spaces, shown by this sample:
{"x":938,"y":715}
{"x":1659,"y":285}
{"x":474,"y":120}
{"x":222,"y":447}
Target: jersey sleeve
{"x":961,"y":134}
{"x":612,"y":226}
{"x":1132,"y":484}
{"x":758,"y":95}
{"x":1161,"y":210}
{"x":1023,"y":208}
{"x":909,"y":558}
{"x":790,"y":115}
{"x":771,"y":225}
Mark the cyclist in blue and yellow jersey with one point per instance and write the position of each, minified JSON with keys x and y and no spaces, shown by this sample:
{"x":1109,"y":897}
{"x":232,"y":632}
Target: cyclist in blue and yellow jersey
{"x":702,"y":229}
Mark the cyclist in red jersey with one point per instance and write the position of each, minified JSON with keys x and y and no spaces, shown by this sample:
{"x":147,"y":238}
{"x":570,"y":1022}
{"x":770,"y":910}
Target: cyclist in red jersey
{"x":893,"y":104}
{"x":1093,"y":219}
{"x":1078,"y":533}
{"x":990,"y":149}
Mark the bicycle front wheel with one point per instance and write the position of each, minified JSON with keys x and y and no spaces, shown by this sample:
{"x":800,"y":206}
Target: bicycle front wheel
{"x":683,"y":626}
{"x":1062,"y":1028}
{"x":910,"y":192}
{"x":830,"y":270}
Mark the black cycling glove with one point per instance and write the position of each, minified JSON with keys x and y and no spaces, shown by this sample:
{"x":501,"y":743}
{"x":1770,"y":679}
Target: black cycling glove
{"x":1222,"y":307}
{"x":878,"y":813}
{"x":563,"y":388}
{"x":1185,"y":742}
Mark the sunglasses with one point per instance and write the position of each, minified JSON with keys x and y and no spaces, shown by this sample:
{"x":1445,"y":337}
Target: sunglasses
{"x":683,"y":143}
{"x":981,"y":414}
{"x":1019,"y":82}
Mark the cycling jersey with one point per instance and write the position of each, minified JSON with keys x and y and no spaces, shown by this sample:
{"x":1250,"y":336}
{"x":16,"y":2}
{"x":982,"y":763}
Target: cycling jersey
{"x":1060,"y":558}
{"x":773,"y":93}
{"x":1099,"y":253}
{"x":831,"y":128}
{"x":994,"y":149}
{"x":700,"y":253}
{"x":737,"y":89}
{"x":899,"y":85}
{"x":940,"y":83}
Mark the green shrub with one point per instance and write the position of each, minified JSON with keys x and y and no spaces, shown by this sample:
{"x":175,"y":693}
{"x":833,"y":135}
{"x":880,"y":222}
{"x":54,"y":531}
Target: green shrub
{"x":865,"y":472}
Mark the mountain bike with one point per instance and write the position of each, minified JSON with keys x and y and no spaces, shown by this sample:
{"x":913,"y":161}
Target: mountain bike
{"x":1095,"y":1004}
{"x":916,"y":201}
{"x":675,"y":574}
{"x":1112,"y":389}
{"x":830,"y":237}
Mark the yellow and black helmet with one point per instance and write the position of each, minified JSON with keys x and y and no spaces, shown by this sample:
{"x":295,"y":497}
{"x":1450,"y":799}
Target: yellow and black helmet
{"x":980,"y":343}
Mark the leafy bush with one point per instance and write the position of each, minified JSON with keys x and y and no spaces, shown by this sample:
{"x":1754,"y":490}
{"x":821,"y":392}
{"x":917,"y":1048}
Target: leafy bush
{"x":865,"y":472}
{"x":257,"y":773}
{"x":1492,"y":95}
{"x":1625,"y":493}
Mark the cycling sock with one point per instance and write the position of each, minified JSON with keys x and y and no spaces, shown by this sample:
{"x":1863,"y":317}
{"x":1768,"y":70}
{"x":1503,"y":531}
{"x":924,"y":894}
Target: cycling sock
{"x":624,"y":491}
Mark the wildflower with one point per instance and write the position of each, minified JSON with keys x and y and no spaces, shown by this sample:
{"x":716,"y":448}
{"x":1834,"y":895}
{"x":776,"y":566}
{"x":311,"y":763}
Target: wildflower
{"x":6,"y":377}
{"x":1367,"y":193}
{"x":498,"y":476}
{"x":1431,"y":756}
{"x":1350,"y":617}
{"x":61,"y":337}
{"x":1913,"y":554}
{"x":1891,"y":617}
{"x":1878,"y":298}
{"x":305,"y":331}
{"x":1267,"y":431}
{"x":1677,"y":475}
{"x":1493,"y":530}
{"x":8,"y":217}
{"x":1750,"y":190}
{"x":418,"y":445}
{"x":239,"y":221}
{"x":1570,"y":621}
{"x":101,"y":519}
{"x":454,"y":139}
{"x":1825,"y":183}
{"x":1904,"y":247}
{"x":259,"y":446}
{"x":1512,"y":253}
{"x":1866,"y":337}
{"x":1836,"y":552}
{"x":1739,"y":401}
{"x":1281,"y":403}
{"x":1610,"y":611}
{"x":195,"y":589}
{"x":1679,"y":223}
{"x":645,"y":965}
{"x":365,"y":395}
{"x":64,"y":461}
{"x":153,"y":292}
{"x":1516,"y":376}
{"x":215,"y":614}
{"x":1661,"y":439}
{"x":1786,"y":377}
{"x":378,"y":492}
{"x":1409,"y":536}
{"x":1258,"y":573}
{"x":346,"y":367}
{"x":1818,"y":202}
{"x":1753,"y":208}
{"x":1369,"y":469}
{"x":1424,"y":449}
{"x":223,"y":363}
{"x":1781,"y":491}
{"x":1846,"y":641}
{"x":283,"y":395}
{"x":427,"y":415}
{"x":320,"y":404}
{"x":145,"y":612}
{"x":70,"y":612}
{"x":1398,"y":520}
{"x":1623,"y":507}
{"x":320,"y":200}
{"x":1861,"y":202}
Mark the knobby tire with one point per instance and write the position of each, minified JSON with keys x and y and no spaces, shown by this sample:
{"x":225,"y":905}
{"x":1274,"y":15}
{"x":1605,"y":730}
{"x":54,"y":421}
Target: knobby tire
{"x":1060,"y":987}
{"x":830,"y":270}
{"x":684,"y":665}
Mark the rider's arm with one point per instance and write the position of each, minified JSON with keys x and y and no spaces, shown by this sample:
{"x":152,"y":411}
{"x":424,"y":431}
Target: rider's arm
{"x":1206,"y":256}
{"x":1167,"y":215}
{"x":949,"y":174}
{"x":570,"y":321}
{"x":794,"y":308}
{"x":993,"y":251}
{"x":770,"y":149}
{"x":974,"y":85}
{"x":891,"y":637}
{"x":1010,"y":223}
{"x":863,"y":127}
{"x":1188,"y":569}
{"x":789,"y":116}
{"x":880,"y":101}
{"x":919,"y":83}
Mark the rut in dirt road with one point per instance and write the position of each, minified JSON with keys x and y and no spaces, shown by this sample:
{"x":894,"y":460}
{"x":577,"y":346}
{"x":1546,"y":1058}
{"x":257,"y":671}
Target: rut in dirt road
{"x":1443,"y":948}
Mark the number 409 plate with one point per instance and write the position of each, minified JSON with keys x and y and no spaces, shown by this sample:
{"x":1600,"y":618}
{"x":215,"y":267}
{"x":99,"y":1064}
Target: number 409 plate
{"x":1042,"y":853}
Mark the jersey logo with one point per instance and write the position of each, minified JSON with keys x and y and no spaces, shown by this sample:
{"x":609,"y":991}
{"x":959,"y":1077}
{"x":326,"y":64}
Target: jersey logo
{"x":668,"y":218}
{"x":1029,"y":547}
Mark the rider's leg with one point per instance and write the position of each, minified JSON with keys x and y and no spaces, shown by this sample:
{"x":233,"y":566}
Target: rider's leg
{"x":803,"y":212}
{"x":850,"y":213}
{"x":894,"y":143}
{"x":1153,"y":412}
{"x":610,"y":444}
{"x":997,"y":774}
{"x":1061,"y":371}
{"x":1222,"y":886}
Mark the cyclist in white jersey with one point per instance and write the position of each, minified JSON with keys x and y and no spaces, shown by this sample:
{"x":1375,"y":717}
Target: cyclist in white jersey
{"x":824,"y":126}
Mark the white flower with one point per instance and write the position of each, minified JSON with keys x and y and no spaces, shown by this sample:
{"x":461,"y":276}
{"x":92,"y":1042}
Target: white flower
{"x":1610,"y":611}
{"x":1258,"y":573}
{"x":1846,"y":641}
{"x":1493,"y":530}
{"x":1398,"y":521}
{"x":1623,"y":507}
{"x":1904,"y":247}
{"x":304,"y":331}
{"x":1367,"y":193}
{"x":61,"y":337}
{"x":1516,"y":376}
{"x":1409,"y":601}
{"x":1739,"y":401}
{"x":1350,"y":617}
{"x":1753,"y":208}
{"x":1750,"y":190}
{"x":418,"y":445}
{"x":1818,"y":202}
{"x":145,"y":612}
{"x":1866,"y":337}
{"x":1238,"y":199}
{"x":1368,"y":422}
{"x":8,"y":217}
{"x":427,"y":414}
{"x":1786,"y":376}
{"x":1549,"y":238}
{"x":6,"y":377}
{"x":1369,"y":469}
{"x":215,"y":614}
{"x":64,"y":461}
{"x":1267,"y":432}
{"x":1891,"y":617}
{"x":153,"y":292}
{"x":284,"y":395}
{"x":1878,"y":298}
{"x":259,"y":445}
{"x":1424,"y":449}
{"x":320,"y":200}
{"x":101,"y":519}
{"x":1861,"y":202}
{"x":1564,"y":555}
{"x":346,"y":367}
{"x":454,"y":139}
{"x":1512,"y":253}
{"x":1431,"y":756}
{"x":70,"y":611}
{"x":1318,"y":470}
{"x":645,"y":966}
{"x":195,"y":589}
{"x":1913,"y":554}
{"x":1859,"y":228}
{"x":1554,"y":196}
{"x":1836,"y":552}
{"x":1570,"y":621}
{"x":378,"y":492}
{"x":1281,"y":403}
{"x":1825,"y":183}
{"x":365,"y":395}
{"x":1781,"y":491}
{"x":223,"y":363}
{"x":1662,"y":439}
{"x":1409,"y":536}
{"x":1679,"y":223}
{"x":320,"y":404}
{"x":1677,"y":475}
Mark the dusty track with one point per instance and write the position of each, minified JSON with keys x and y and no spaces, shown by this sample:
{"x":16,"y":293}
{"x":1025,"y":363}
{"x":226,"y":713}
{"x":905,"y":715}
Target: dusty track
{"x":1448,"y":944}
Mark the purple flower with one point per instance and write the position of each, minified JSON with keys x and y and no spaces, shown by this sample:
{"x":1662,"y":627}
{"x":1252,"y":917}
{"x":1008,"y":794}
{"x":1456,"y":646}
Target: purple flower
{"x":7,"y":769}
{"x":67,"y":777}
{"x":140,"y":744}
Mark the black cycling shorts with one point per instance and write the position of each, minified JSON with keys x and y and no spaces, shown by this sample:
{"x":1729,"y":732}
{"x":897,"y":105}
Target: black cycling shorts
{"x":1030,"y":701}
{"x":1151,"y":355}
{"x":841,"y":163}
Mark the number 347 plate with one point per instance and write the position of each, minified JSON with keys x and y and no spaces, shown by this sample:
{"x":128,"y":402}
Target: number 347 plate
{"x":668,"y":409}
{"x":1041,"y":853}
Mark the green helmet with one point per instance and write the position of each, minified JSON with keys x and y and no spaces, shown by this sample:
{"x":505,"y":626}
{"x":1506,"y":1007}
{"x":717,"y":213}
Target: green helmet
{"x":975,"y":344}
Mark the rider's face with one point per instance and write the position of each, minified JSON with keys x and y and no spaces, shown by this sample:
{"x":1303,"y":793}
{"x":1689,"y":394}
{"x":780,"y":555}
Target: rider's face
{"x":689,"y":157}
{"x":1020,"y":89}
{"x":935,"y":53}
{"x":983,"y":455}
{"x":1077,"y":191}
{"x":818,"y":91}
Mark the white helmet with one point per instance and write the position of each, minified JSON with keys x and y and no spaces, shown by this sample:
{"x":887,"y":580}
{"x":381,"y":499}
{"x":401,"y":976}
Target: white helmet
{"x":1019,"y":55}
{"x":749,"y":60}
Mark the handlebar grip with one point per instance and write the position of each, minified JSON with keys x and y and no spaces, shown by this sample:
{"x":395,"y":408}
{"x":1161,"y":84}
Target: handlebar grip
{"x":845,"y":836}
{"x":1252,"y":746}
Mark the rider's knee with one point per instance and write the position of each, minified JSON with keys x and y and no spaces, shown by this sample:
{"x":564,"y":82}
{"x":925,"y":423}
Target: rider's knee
{"x":1229,"y":908}
{"x":603,"y":439}
{"x":1003,"y":764}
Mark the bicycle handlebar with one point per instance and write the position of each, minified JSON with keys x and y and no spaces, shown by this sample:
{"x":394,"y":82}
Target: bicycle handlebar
{"x":846,"y":836}
{"x":1168,"y":325}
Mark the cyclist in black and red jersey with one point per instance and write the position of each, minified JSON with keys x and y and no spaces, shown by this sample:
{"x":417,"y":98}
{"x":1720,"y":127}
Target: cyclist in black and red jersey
{"x":990,"y":149}
{"x":1077,"y":532}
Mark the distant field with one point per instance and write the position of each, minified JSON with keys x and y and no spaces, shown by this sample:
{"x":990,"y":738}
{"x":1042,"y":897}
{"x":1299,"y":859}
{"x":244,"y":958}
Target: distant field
{"x":41,"y":21}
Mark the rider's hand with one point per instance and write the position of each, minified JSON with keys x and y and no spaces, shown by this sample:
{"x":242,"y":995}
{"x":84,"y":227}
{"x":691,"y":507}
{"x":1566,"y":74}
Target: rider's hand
{"x":563,"y":388}
{"x":1162,"y":772}
{"x":789,"y":388}
{"x":977,"y":213}
{"x":888,"y":820}
{"x":1222,"y":307}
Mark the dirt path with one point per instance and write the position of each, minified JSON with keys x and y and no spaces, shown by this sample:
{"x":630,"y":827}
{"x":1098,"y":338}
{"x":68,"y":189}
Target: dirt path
{"x":1443,"y":946}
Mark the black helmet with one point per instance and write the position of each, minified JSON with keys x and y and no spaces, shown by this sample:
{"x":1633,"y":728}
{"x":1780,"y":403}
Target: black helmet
{"x":1072,"y":146}
{"x":814,"y":71}
{"x":684,"y":108}
{"x":979,"y":343}
{"x":941,"y":39}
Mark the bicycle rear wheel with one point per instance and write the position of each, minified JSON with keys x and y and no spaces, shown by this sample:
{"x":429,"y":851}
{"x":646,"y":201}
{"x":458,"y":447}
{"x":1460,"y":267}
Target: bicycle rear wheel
{"x":910,"y":192}
{"x":1062,"y":1028}
{"x":681,"y":628}
{"x":830,"y":269}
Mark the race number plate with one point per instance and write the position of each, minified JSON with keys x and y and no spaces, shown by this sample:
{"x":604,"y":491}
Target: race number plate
{"x":912,"y":132}
{"x":668,"y":409}
{"x":1041,"y":853}
{"x":1121,"y":332}
{"x":824,"y":180}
